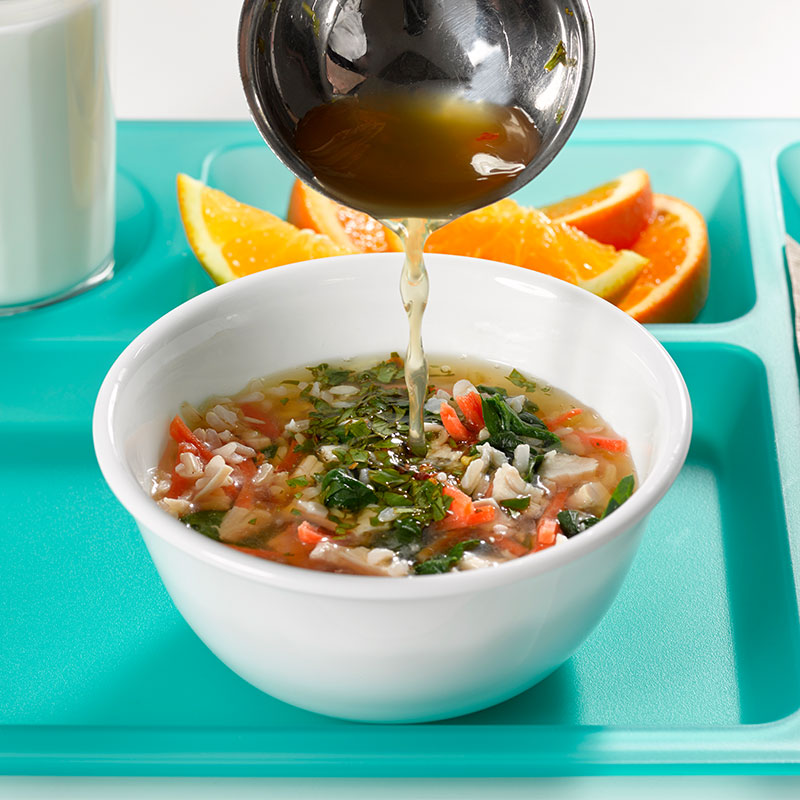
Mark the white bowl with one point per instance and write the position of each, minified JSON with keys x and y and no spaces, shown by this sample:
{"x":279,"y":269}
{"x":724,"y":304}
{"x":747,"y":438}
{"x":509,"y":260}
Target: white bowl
{"x":392,"y":649}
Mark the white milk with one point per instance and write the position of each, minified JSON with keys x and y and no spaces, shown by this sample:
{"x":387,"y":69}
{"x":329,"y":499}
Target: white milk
{"x":57,"y":155}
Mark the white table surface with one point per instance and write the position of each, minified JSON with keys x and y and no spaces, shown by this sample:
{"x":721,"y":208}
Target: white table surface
{"x":176,"y":59}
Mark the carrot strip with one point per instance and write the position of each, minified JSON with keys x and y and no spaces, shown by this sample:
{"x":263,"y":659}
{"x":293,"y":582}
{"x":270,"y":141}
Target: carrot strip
{"x":511,"y":545}
{"x":290,"y":460}
{"x":547,"y":528}
{"x":246,"y":497}
{"x":266,"y":424}
{"x":453,"y":424}
{"x":180,"y":432}
{"x":309,"y":534}
{"x":472,"y":409}
{"x":559,"y":421}
{"x":603,"y":442}
{"x":460,"y":503}
{"x":477,"y":516}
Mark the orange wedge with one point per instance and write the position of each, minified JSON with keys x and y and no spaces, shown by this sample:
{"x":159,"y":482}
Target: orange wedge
{"x":673,"y":285}
{"x":615,"y":213}
{"x":508,"y":232}
{"x":231,"y":239}
{"x":344,"y":225}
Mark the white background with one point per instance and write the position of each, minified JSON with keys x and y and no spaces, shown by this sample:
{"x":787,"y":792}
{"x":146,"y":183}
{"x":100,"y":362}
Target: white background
{"x":176,"y":59}
{"x":655,"y":58}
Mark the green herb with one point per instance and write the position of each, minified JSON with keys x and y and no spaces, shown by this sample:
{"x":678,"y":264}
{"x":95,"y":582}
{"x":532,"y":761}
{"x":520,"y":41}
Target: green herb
{"x":404,"y":537}
{"x":445,"y":563}
{"x":492,"y":390}
{"x":270,"y":450}
{"x":518,"y":379}
{"x":301,"y":480}
{"x":516,"y":503}
{"x":291,"y":382}
{"x":252,"y":521}
{"x":500,"y":418}
{"x":574,"y":522}
{"x":284,"y":401}
{"x":339,"y":489}
{"x":622,"y":492}
{"x":205,"y":522}
{"x":506,"y":441}
{"x":327,"y":376}
{"x":559,"y":57}
{"x":533,"y":467}
{"x":560,"y":114}
{"x":296,"y":512}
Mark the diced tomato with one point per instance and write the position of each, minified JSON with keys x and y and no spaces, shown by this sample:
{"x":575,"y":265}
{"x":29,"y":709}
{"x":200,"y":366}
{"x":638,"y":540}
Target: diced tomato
{"x":558,"y":422}
{"x":453,"y":424}
{"x":472,"y":409}
{"x":603,"y":442}
{"x":266,"y":424}
{"x":309,"y":534}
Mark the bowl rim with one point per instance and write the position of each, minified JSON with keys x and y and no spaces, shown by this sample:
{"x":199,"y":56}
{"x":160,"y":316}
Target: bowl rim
{"x":148,"y":515}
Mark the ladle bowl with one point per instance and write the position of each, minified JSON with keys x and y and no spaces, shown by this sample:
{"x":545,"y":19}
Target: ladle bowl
{"x":537,"y":55}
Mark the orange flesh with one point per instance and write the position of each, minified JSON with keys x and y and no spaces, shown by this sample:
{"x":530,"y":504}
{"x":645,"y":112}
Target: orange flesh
{"x":366,"y":234}
{"x":573,"y":204}
{"x":523,"y":236}
{"x":666,"y":243}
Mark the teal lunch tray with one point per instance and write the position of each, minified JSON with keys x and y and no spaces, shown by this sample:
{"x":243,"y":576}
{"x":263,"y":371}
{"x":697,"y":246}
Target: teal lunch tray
{"x":696,"y":668}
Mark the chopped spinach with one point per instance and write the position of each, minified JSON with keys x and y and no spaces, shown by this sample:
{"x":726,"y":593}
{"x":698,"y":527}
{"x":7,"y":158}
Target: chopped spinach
{"x":506,"y":442}
{"x":574,"y":522}
{"x":339,"y":489}
{"x":492,"y":390}
{"x":499,"y":418}
{"x":518,"y":379}
{"x":205,"y":522}
{"x":445,"y":563}
{"x":516,"y":503}
{"x":622,"y":492}
{"x":269,"y":451}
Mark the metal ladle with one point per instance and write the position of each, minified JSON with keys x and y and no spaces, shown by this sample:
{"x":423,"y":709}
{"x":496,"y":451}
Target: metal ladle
{"x":537,"y":55}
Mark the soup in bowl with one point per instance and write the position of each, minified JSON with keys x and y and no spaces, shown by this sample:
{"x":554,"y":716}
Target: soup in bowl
{"x":424,"y":643}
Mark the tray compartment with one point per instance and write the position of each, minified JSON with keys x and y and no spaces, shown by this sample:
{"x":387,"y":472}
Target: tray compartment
{"x":704,"y":174}
{"x":789,"y":181}
{"x":705,"y":630}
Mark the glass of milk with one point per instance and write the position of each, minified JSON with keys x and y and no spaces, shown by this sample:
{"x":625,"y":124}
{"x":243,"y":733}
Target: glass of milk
{"x":57,"y":157}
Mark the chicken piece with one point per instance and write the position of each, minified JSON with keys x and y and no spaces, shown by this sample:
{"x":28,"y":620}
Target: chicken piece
{"x":508,"y":483}
{"x":378,"y":561}
{"x":567,"y":470}
{"x":470,"y":561}
{"x":241,"y":523}
{"x":591,"y":497}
